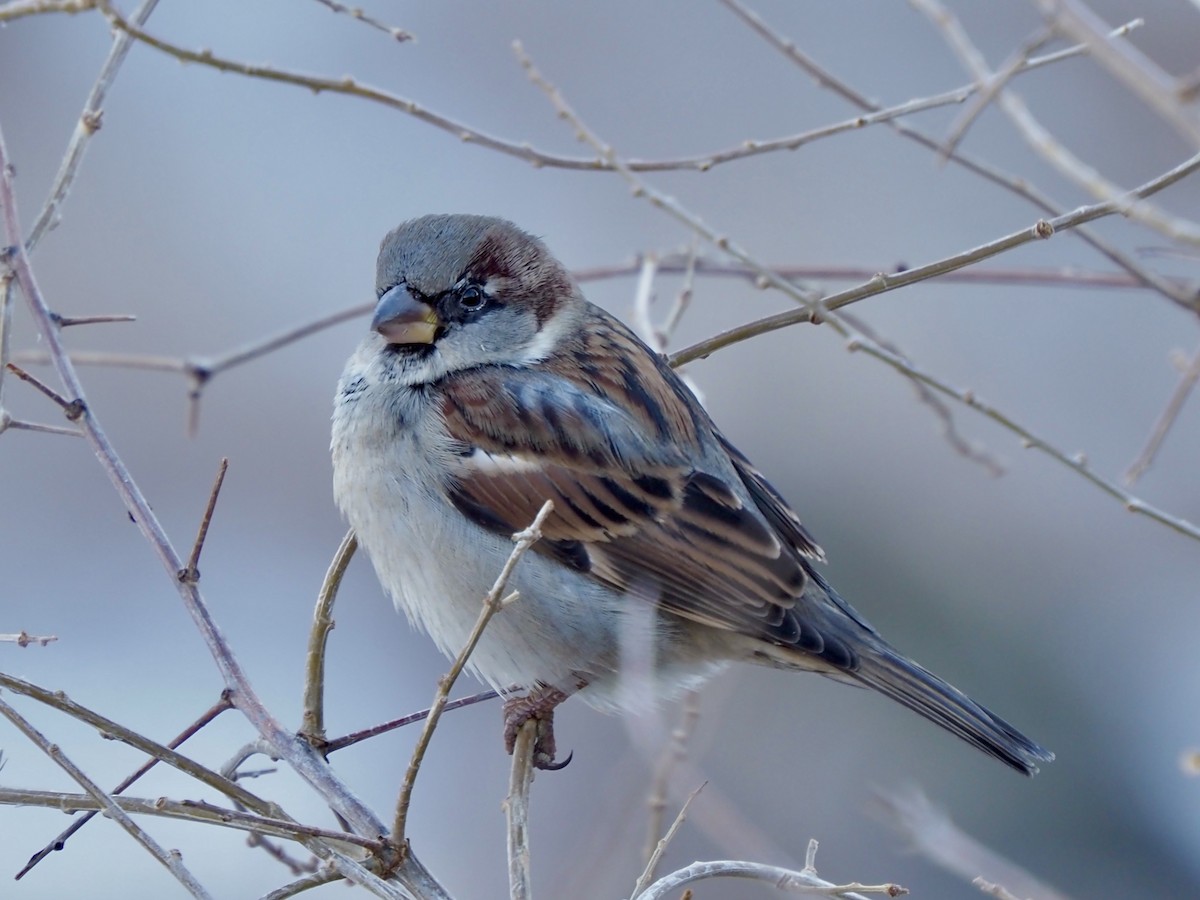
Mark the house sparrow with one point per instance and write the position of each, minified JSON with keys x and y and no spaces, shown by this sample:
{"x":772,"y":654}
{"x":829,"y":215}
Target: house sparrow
{"x":487,"y":385}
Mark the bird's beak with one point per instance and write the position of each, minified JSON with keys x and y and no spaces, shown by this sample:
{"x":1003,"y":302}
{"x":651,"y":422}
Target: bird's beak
{"x":403,"y":319}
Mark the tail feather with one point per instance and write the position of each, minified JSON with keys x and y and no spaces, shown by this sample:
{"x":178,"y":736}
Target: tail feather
{"x":895,"y":676}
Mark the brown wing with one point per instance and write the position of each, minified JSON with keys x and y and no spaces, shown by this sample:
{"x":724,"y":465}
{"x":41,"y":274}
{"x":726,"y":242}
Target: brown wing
{"x":631,"y":505}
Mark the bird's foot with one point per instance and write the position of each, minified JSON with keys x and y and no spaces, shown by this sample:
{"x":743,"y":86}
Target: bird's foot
{"x":538,"y":705}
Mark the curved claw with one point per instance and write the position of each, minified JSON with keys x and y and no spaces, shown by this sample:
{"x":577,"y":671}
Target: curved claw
{"x":553,"y":766}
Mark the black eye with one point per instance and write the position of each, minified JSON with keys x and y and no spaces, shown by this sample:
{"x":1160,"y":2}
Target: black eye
{"x":472,"y":298}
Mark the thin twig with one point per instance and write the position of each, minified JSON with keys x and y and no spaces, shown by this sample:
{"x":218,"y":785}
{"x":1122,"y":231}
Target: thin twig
{"x":355,"y":12}
{"x":308,"y":882}
{"x":787,"y":880}
{"x":823,"y":309}
{"x":492,"y":604}
{"x":683,"y":299}
{"x":304,"y":760}
{"x":7,"y":422}
{"x":355,"y":737}
{"x":516,"y":809}
{"x":256,"y":840}
{"x":1043,"y":142}
{"x":24,"y":639}
{"x":463,"y":132}
{"x":16,"y":9}
{"x":68,"y":321}
{"x":188,"y":810}
{"x":1186,"y":296}
{"x":1166,"y":419}
{"x":992,"y":86}
{"x":88,"y":124}
{"x":102,"y":800}
{"x":961,"y":445}
{"x":930,"y":831}
{"x":1125,"y":62}
{"x":116,"y":731}
{"x":201,"y":370}
{"x":674,"y":753}
{"x":222,"y":705}
{"x":660,"y":846}
{"x":312,"y":721}
{"x":191,"y":572}
{"x":72,"y":409}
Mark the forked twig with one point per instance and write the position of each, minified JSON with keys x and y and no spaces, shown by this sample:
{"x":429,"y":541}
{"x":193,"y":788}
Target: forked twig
{"x":59,"y":842}
{"x":304,"y":760}
{"x":172,"y":861}
{"x":1022,"y":187}
{"x":823,"y":310}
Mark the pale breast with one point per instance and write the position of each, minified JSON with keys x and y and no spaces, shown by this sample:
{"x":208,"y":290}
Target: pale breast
{"x":390,"y":462}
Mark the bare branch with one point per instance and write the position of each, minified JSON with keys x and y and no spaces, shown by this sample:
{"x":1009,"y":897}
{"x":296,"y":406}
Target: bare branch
{"x":103,"y":801}
{"x":1166,"y":419}
{"x":660,"y":847}
{"x":516,"y":808}
{"x":964,"y":447}
{"x":207,"y":716}
{"x":787,"y":880}
{"x":674,"y":753}
{"x":1125,"y":62}
{"x":993,"y":85}
{"x":189,"y":810}
{"x":1042,"y":141}
{"x":305,"y":761}
{"x":88,"y":125}
{"x":492,"y":604}
{"x":7,"y":422}
{"x":116,"y":731}
{"x":16,"y":9}
{"x":822,"y":310}
{"x":1022,"y":187}
{"x":524,"y":151}
{"x":325,"y":876}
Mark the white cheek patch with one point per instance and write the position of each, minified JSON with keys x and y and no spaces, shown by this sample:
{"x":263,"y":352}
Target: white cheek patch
{"x":546,"y":341}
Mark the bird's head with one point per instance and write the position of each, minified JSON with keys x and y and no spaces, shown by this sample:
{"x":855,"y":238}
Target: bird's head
{"x":458,"y":291}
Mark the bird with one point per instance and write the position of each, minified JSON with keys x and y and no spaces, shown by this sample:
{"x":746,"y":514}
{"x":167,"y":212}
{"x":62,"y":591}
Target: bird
{"x":486,"y":385}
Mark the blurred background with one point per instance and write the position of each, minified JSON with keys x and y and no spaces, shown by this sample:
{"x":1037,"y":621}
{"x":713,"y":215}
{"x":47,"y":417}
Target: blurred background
{"x":219,"y":209}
